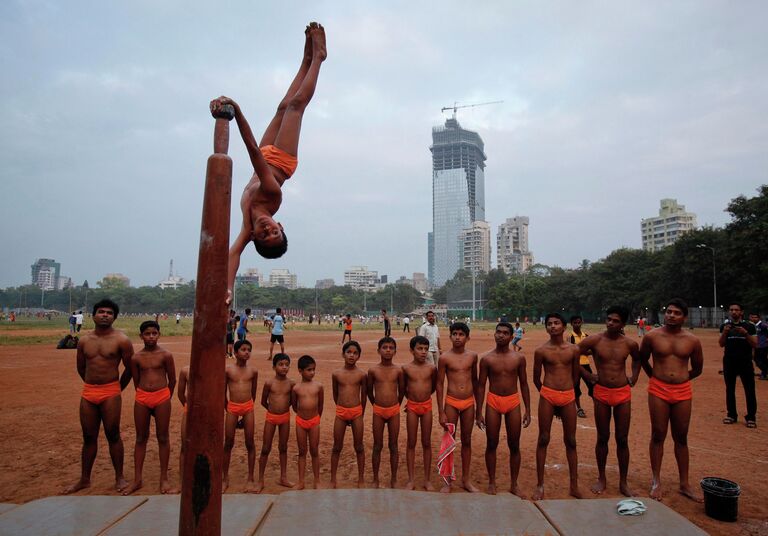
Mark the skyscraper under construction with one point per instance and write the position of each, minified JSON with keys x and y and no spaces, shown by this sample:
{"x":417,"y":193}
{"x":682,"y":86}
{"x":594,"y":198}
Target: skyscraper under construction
{"x":458,"y":195}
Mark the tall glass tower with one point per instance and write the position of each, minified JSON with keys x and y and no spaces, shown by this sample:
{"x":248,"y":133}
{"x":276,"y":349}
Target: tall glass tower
{"x":458,"y":195}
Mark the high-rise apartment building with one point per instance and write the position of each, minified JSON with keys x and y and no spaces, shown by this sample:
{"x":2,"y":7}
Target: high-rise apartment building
{"x":281,"y":277}
{"x":512,"y":253}
{"x":46,"y":273}
{"x":252,"y":276}
{"x":325,"y":283}
{"x":419,"y":281}
{"x":476,"y":247}
{"x":360,"y":278}
{"x":663,"y":230}
{"x":458,"y":195}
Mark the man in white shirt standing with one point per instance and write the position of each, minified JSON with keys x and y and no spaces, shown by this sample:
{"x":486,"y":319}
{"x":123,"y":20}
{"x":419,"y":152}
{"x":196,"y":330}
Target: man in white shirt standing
{"x":432,"y":333}
{"x":79,"y":321}
{"x":406,"y":324}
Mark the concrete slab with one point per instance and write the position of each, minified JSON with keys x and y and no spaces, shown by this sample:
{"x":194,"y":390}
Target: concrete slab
{"x":574,"y":518}
{"x":4,"y":507}
{"x":369,"y":512}
{"x":241,"y":514}
{"x":64,"y":516}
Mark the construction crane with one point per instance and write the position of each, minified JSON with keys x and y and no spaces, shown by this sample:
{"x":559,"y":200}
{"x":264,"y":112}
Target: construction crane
{"x":457,"y":107}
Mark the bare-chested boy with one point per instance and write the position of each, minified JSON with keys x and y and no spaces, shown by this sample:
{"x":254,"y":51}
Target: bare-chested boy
{"x":241,"y":384}
{"x":559,"y":361}
{"x":503,"y":368}
{"x":307,"y":399}
{"x":420,"y":379}
{"x":386,"y":390}
{"x":274,"y":159}
{"x":182,"y":394}
{"x":457,"y":402}
{"x":276,"y":399}
{"x":612,"y":391}
{"x":669,"y":391}
{"x":99,"y":354}
{"x":349,"y":394}
{"x":154,"y":375}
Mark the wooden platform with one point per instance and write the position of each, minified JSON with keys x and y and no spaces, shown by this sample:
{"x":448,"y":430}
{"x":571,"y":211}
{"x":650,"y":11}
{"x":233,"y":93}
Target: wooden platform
{"x":366,"y":512}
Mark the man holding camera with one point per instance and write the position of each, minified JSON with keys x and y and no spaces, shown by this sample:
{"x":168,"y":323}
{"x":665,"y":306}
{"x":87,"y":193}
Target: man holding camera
{"x":737,"y":337}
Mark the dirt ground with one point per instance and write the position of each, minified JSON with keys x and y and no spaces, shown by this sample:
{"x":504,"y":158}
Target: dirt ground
{"x":40,"y":441}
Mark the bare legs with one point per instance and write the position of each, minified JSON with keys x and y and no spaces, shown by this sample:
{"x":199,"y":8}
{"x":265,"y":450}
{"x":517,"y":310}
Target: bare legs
{"x":568,"y":415}
{"x":467,"y":418}
{"x":621,"y":415}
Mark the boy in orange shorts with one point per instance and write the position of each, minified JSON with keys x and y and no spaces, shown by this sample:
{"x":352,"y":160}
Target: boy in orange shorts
{"x":99,"y":354}
{"x":241,"y":385}
{"x":419,"y":379}
{"x":350,"y":388}
{"x":154,"y":376}
{"x":385,"y":391}
{"x":276,"y":399}
{"x":503,"y":368}
{"x":307,"y":402}
{"x":669,"y":391}
{"x":274,"y":159}
{"x":559,"y":361}
{"x":612,"y":391}
{"x":457,"y":402}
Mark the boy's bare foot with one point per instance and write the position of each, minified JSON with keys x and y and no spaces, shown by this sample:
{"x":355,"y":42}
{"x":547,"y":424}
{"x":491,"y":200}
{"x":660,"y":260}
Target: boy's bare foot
{"x":469,"y":486}
{"x":687,"y":491}
{"x":598,"y":487}
{"x":409,"y":485}
{"x":514,"y":489}
{"x":316,"y":484}
{"x":428,"y":486}
{"x":250,"y":487}
{"x":77,"y":486}
{"x":656,"y":491}
{"x":167,"y":489}
{"x":626,"y":490}
{"x":446,"y":488}
{"x":307,"y":46}
{"x":317,"y":33}
{"x":135,"y":486}
{"x":333,"y":484}
{"x":361,"y":483}
{"x":300,"y":486}
{"x":285,"y":483}
{"x":121,"y":484}
{"x":538,"y":494}
{"x":491,"y":488}
{"x":375,"y":484}
{"x":393,"y":483}
{"x":576,"y":492}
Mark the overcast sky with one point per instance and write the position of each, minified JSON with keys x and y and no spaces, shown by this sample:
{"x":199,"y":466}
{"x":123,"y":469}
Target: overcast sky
{"x":608,"y":107}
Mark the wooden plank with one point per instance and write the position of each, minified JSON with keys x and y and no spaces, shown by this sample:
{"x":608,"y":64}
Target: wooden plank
{"x":65,"y":516}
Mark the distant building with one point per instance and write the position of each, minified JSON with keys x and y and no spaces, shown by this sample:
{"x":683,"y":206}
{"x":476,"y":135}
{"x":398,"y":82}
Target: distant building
{"x":419,"y":281}
{"x":512,"y":253}
{"x":458,"y":195}
{"x":475,"y":243}
{"x":325,"y":283}
{"x":117,"y":277}
{"x":360,"y":278}
{"x":281,"y":277}
{"x":65,"y":282}
{"x":251,"y":276}
{"x":173,"y":281}
{"x":46,"y":273}
{"x":664,"y":230}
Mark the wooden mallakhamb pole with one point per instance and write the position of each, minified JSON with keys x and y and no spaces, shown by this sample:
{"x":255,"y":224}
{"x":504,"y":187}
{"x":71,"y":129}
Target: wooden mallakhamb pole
{"x":200,"y":512}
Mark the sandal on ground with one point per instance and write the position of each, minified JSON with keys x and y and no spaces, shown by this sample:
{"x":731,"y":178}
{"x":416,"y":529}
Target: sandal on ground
{"x":751,"y":424}
{"x":729,"y":420}
{"x":581,"y":413}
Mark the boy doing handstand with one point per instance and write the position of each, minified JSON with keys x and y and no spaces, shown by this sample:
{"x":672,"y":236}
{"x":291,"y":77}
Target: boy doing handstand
{"x":419,"y":377}
{"x":241,"y":383}
{"x":457,"y":402}
{"x":503,"y":368}
{"x":307,"y":402}
{"x":386,"y":391}
{"x":274,"y":159}
{"x":154,"y":376}
{"x":560,"y":362}
{"x":276,"y":399}
{"x":349,"y":394}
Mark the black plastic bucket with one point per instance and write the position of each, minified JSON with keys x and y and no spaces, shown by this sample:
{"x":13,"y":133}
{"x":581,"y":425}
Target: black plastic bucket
{"x":721,"y":498}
